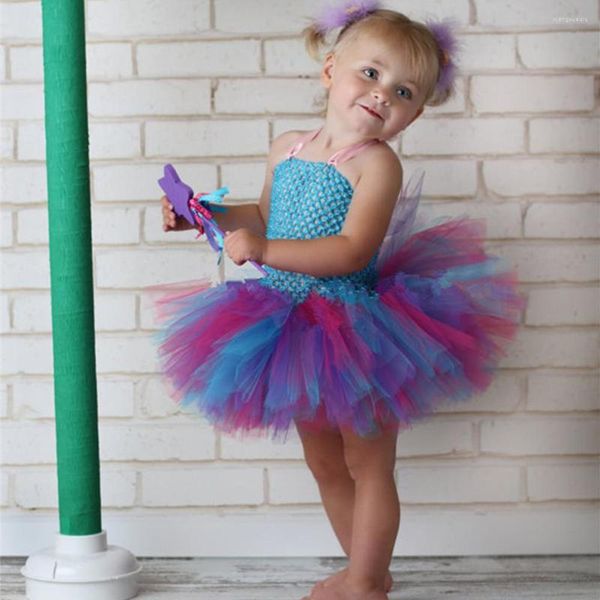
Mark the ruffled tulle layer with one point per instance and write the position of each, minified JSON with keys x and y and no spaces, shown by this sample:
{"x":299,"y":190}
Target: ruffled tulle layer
{"x":252,"y":361}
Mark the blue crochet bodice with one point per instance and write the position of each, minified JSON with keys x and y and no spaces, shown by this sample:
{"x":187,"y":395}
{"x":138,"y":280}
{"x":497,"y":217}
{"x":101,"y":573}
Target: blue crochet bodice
{"x":310,"y":200}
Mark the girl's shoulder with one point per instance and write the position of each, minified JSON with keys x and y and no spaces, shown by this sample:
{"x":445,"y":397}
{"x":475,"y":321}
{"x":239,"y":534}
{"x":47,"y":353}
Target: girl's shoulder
{"x":282,"y":144}
{"x":377,"y":159}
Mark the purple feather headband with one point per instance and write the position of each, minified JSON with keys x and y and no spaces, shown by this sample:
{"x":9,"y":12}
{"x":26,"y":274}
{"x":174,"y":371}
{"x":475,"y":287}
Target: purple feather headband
{"x":350,"y":11}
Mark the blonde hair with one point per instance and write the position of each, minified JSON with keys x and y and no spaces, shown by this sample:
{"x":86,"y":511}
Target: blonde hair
{"x":422,"y":52}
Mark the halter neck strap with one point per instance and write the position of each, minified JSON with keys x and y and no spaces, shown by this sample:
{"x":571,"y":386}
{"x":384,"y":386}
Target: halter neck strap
{"x":338,"y":157}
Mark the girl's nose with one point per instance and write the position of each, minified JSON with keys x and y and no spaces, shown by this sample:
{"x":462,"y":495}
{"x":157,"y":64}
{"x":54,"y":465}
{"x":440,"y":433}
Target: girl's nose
{"x":380,"y":95}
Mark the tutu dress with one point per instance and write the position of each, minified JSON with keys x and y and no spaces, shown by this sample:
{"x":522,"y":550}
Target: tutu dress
{"x":423,"y":324}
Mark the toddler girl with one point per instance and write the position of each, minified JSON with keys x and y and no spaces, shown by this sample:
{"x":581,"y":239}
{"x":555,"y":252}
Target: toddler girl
{"x":363,"y":323}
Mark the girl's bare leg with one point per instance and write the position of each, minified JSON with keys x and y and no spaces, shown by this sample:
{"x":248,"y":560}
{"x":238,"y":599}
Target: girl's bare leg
{"x":371,"y":463}
{"x":324,"y":454}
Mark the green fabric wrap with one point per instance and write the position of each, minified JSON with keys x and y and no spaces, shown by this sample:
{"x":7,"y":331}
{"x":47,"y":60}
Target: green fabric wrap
{"x":71,"y":267}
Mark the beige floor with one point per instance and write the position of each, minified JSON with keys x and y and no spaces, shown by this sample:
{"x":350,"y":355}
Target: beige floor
{"x":466,"y":578}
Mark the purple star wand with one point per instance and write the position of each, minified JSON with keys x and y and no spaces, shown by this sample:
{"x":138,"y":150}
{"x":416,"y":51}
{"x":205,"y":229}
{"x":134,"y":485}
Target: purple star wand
{"x":196,"y":209}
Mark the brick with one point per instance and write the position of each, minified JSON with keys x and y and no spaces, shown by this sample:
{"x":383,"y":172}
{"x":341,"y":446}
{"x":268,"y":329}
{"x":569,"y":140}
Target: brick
{"x":552,"y":262}
{"x":457,"y":104}
{"x":5,"y":489}
{"x":502,"y":220}
{"x":292,"y":485}
{"x":22,"y":101}
{"x":563,"y":482}
{"x":199,"y":59}
{"x":534,"y":348}
{"x":109,"y":61}
{"x":23,"y":184}
{"x":115,"y":140}
{"x":564,"y":135}
{"x":424,"y":9}
{"x":502,"y":396}
{"x":30,"y":355}
{"x":512,"y":177}
{"x":436,"y":436}
{"x":26,"y":63}
{"x":444,"y":177}
{"x":487,"y":52}
{"x":559,"y":50}
{"x":6,"y":229}
{"x":150,"y":442}
{"x":540,"y":436}
{"x":18,"y":449}
{"x":115,"y":398}
{"x":5,"y":326}
{"x":33,"y":399}
{"x":281,"y":125}
{"x":139,"y":182}
{"x":147,"y":18}
{"x":154,"y":399}
{"x":7,"y":142}
{"x":289,"y":57}
{"x":233,"y":448}
{"x":125,"y":353}
{"x":532,"y":93}
{"x":114,"y":312}
{"x":207,"y":138}
{"x":568,"y":220}
{"x":245,"y":180}
{"x":134,"y":268}
{"x":465,"y":136}
{"x":458,"y":485}
{"x":259,"y":96}
{"x":262,"y":15}
{"x":513,"y":13}
{"x":25,"y":270}
{"x":140,"y":97}
{"x":21,"y":20}
{"x":563,"y":391}
{"x":116,"y":226}
{"x":4,"y":391}
{"x":36,"y":489}
{"x":563,"y":306}
{"x":208,"y":486}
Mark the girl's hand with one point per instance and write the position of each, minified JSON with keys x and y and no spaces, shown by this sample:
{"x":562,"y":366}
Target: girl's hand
{"x":242,"y":245}
{"x":171,"y":222}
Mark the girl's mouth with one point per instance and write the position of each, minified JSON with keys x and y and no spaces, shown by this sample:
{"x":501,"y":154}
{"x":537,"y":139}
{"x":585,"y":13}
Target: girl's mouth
{"x":372,"y":112}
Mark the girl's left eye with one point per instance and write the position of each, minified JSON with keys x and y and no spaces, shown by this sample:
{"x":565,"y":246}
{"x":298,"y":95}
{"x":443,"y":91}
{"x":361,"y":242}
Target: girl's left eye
{"x":407,"y":93}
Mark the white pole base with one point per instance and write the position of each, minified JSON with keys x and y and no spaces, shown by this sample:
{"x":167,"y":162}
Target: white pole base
{"x":81,"y":567}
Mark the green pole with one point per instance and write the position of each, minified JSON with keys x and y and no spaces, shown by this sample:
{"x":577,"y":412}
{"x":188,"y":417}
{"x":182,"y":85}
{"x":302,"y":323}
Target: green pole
{"x":71,"y":267}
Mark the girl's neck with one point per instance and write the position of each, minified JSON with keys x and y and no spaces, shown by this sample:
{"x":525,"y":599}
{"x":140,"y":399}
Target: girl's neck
{"x":334,"y":136}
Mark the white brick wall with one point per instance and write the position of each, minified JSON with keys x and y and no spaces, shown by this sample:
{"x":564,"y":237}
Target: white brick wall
{"x":207,"y":86}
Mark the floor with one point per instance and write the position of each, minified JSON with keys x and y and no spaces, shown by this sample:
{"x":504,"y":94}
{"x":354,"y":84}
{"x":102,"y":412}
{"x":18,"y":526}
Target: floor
{"x":464,"y":578}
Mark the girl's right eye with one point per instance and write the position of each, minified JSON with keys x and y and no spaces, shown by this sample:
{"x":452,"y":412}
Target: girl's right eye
{"x":370,"y":72}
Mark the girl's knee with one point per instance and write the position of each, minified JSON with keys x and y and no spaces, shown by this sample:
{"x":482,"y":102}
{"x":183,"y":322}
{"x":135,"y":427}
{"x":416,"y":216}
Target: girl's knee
{"x":324,"y":453}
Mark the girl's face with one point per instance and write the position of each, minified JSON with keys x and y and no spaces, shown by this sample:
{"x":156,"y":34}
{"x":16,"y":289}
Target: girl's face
{"x":371,"y":89}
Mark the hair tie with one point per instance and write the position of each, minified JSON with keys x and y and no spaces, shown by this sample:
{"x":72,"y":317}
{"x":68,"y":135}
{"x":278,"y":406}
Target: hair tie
{"x":444,"y":33}
{"x":332,"y":17}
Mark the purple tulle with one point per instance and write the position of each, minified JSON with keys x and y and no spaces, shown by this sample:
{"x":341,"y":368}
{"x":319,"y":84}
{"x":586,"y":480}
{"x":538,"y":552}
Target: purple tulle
{"x":339,"y":15}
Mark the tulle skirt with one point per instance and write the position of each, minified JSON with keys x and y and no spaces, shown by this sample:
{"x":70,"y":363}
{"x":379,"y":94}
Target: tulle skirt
{"x":253,"y":361}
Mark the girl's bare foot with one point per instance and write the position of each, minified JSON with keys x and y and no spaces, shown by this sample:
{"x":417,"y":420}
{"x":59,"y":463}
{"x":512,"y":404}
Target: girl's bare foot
{"x":342,"y":589}
{"x":332,"y":579}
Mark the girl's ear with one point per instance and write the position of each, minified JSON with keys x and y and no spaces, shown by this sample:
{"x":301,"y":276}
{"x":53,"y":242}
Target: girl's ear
{"x":327,"y":70}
